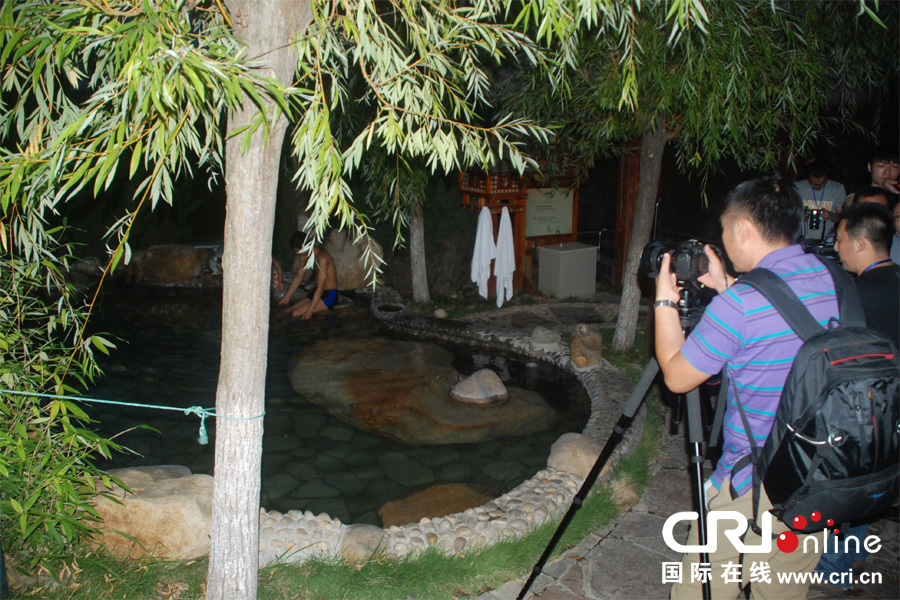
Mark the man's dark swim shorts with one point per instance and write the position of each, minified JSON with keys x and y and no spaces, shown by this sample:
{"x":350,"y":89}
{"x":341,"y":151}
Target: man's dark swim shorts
{"x":330,"y":298}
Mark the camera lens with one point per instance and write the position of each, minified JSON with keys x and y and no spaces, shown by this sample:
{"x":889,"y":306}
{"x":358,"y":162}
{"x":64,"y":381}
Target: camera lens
{"x":651,"y":259}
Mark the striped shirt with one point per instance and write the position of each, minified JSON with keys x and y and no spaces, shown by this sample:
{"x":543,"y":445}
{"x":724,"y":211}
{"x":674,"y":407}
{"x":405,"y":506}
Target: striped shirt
{"x":742,"y":330}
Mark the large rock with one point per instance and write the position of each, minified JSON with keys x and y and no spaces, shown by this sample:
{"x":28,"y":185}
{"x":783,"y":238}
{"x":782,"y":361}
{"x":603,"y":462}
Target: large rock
{"x":401,"y":390}
{"x":575,"y":453}
{"x":361,"y":542}
{"x":168,"y":513}
{"x":481,"y":388}
{"x":542,"y":335}
{"x":352,"y":272}
{"x":436,"y":501}
{"x":84,"y":271}
{"x":586,"y":346}
{"x":171,"y":263}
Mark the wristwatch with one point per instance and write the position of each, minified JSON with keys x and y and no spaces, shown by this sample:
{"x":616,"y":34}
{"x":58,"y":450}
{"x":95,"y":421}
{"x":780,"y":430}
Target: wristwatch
{"x":669,"y":303}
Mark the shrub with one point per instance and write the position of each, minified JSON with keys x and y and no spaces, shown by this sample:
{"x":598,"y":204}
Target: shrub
{"x":46,"y":476}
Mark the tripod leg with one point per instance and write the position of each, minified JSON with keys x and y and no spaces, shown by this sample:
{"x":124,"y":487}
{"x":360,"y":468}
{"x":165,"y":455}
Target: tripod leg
{"x":631,"y":408}
{"x":4,"y":585}
{"x":676,"y":414}
{"x":695,"y":437}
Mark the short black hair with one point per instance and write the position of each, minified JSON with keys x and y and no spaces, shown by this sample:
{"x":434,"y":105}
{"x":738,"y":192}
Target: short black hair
{"x":872,"y":221}
{"x":884,"y":154}
{"x":772,"y":204}
{"x":298,"y":238}
{"x":869,"y":192}
{"x":818,"y":168}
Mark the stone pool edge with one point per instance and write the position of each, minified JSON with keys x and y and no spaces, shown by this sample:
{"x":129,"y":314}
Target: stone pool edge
{"x":296,"y":536}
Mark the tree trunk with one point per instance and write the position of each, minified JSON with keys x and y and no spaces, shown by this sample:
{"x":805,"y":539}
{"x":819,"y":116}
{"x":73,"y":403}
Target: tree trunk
{"x":652,"y":146}
{"x":251,"y":181}
{"x":417,"y":256}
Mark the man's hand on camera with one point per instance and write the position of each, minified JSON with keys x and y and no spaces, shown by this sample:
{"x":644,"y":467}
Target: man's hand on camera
{"x":716,"y":277}
{"x":666,"y":282}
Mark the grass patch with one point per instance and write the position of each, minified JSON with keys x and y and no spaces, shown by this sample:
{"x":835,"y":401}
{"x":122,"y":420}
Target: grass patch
{"x":98,"y":575}
{"x":633,"y":360}
{"x":432,"y":574}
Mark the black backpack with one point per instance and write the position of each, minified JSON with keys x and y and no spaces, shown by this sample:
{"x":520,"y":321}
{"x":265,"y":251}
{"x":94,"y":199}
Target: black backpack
{"x":834,"y":447}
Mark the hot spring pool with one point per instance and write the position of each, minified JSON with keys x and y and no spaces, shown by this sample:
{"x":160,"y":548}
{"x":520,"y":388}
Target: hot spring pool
{"x":168,"y":354}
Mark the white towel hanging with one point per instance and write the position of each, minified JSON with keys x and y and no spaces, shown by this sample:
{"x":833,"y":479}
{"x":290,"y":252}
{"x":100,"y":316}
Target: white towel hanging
{"x":485,"y":251}
{"x":505,"y":265}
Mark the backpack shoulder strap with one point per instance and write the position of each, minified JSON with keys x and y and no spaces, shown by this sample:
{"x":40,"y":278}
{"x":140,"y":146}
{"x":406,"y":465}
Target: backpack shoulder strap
{"x":849,"y":304}
{"x":721,"y":403}
{"x":784,"y":300}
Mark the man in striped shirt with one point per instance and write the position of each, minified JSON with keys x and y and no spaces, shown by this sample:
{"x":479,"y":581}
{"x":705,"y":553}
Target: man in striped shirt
{"x":761,"y":227}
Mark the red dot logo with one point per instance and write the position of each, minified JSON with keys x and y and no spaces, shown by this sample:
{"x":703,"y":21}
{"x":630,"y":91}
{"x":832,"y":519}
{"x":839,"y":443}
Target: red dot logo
{"x":799,"y":522}
{"x":787,"y":542}
{"x":815,"y":516}
{"x":829,"y":522}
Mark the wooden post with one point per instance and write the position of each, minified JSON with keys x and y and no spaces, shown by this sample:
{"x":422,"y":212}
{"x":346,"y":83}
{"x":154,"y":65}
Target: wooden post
{"x":519,"y":249}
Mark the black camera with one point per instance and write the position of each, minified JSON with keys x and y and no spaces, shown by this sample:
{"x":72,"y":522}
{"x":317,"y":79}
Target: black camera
{"x":814,"y":217}
{"x":689,"y":261}
{"x":824,"y":248}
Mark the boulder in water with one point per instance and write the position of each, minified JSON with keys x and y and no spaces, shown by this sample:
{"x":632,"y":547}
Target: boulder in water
{"x":481,"y":388}
{"x":401,"y":390}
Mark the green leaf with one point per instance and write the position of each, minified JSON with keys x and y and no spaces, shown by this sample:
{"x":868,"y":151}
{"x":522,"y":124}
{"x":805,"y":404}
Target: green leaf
{"x":116,"y":257}
{"x":872,"y":15}
{"x":135,"y":158}
{"x":199,"y":87}
{"x":102,"y":344}
{"x":75,"y":411}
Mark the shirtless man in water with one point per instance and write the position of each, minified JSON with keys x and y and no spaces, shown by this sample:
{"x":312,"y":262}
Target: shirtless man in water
{"x":325,"y":296}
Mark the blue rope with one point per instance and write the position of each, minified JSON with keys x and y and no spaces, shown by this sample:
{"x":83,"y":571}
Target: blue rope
{"x":201,"y":412}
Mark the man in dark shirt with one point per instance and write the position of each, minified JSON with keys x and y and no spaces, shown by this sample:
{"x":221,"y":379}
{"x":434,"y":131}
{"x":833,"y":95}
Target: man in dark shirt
{"x":865,"y":234}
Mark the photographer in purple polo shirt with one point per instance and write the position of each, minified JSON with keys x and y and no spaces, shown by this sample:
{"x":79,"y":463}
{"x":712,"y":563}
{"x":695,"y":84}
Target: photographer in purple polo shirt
{"x":762,"y":224}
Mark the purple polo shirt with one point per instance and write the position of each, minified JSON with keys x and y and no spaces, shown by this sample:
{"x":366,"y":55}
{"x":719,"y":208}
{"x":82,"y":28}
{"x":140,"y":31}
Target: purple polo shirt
{"x":740,"y":328}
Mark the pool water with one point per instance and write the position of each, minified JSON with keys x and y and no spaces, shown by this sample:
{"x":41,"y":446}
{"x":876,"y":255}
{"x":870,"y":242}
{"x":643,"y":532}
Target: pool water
{"x":168,"y":354}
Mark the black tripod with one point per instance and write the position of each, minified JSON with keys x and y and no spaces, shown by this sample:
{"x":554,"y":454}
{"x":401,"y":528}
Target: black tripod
{"x":690,"y":315}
